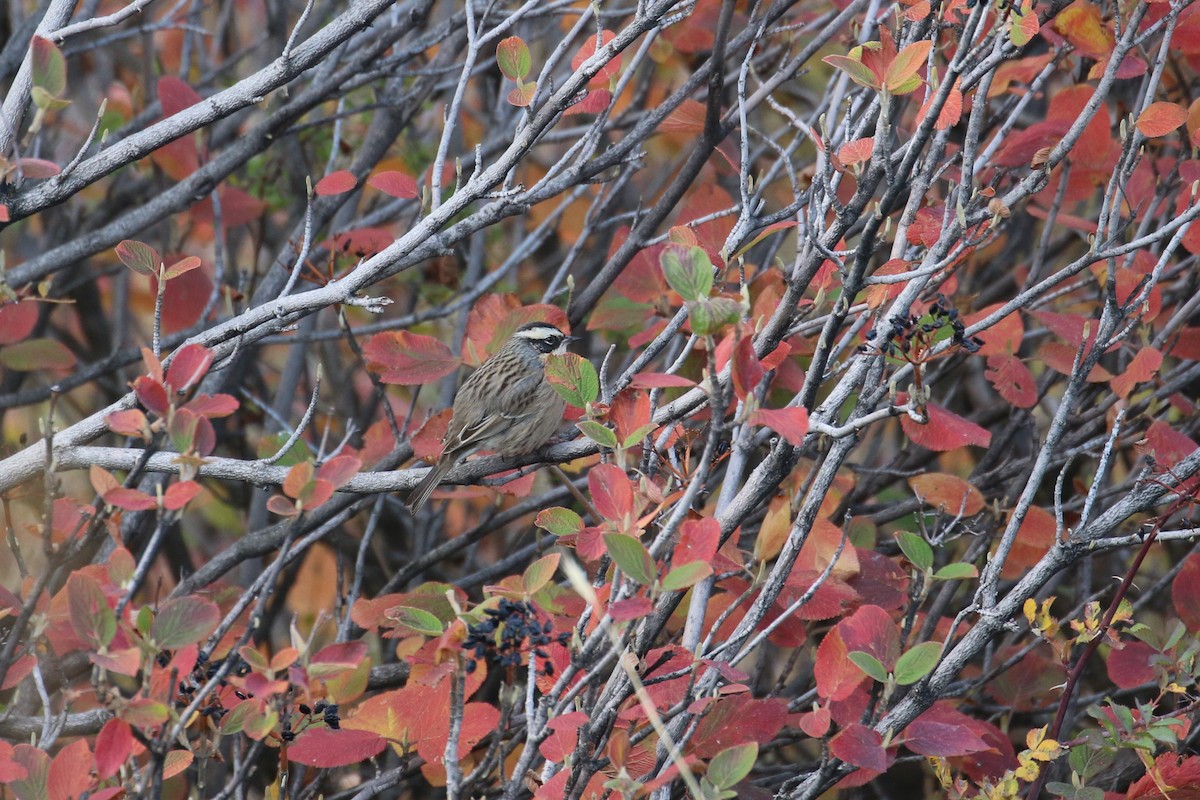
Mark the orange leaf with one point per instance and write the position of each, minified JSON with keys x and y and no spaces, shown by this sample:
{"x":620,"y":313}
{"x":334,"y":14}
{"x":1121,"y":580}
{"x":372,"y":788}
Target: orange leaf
{"x":1159,"y":119}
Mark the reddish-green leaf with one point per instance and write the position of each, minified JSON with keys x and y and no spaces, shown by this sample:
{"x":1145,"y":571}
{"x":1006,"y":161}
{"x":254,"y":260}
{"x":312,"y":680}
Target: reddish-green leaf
{"x":901,"y":76}
{"x":688,"y":270}
{"x":33,"y":355}
{"x":944,"y":732}
{"x":728,"y":767}
{"x":574,"y":378}
{"x":539,"y":573}
{"x":858,"y":72}
{"x":522,"y":94}
{"x":559,"y":521}
{"x":91,"y":618}
{"x":49,"y":68}
{"x":338,"y":182}
{"x":181,"y":266}
{"x":139,"y":257}
{"x":512,"y":54}
{"x":130,"y":422}
{"x":408,"y":358}
{"x":181,"y":621}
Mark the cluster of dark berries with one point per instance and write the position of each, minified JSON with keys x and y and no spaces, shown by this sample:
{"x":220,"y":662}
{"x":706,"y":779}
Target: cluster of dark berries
{"x":899,"y":339}
{"x":201,"y":674}
{"x":328,"y":711}
{"x":507,"y":632}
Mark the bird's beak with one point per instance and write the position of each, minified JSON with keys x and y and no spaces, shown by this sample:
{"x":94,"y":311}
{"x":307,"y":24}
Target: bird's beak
{"x":570,"y":339}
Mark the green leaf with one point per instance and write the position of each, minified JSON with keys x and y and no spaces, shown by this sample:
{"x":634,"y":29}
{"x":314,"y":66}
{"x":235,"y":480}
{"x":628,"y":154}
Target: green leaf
{"x":686,"y":575}
{"x":574,"y":378}
{"x":139,"y":257}
{"x":416,"y":619}
{"x":916,"y":549}
{"x":184,"y":620}
{"x":688,"y":270}
{"x":956,"y":572}
{"x":729,"y":766}
{"x":630,"y":555}
{"x":512,"y":55}
{"x":870,"y":665}
{"x":601,"y":435}
{"x":539,"y":573}
{"x":638,"y":434}
{"x":559,"y":521}
{"x":917,"y":662}
{"x":713,"y":313}
{"x":49,"y":68}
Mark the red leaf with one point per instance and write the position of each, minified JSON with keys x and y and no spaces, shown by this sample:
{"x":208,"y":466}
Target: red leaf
{"x":1185,"y":592}
{"x":609,"y":70}
{"x":1012,"y":379}
{"x":213,"y":406}
{"x":561,"y":743}
{"x":738,"y":719}
{"x":1130,"y":666}
{"x":38,"y":167}
{"x":325,"y":747}
{"x":856,"y":151}
{"x":688,"y":117}
{"x":1167,"y":445}
{"x":339,"y":470}
{"x":611,"y":492}
{"x":944,"y":431}
{"x":630,"y":411}
{"x":594,"y":102}
{"x":632,"y":608}
{"x":943,"y":732}
{"x":746,"y":368}
{"x":114,"y":745}
{"x":860,"y":746}
{"x":698,"y":541}
{"x":870,"y":629}
{"x":1142,"y":368}
{"x":190,"y":364}
{"x":70,"y":772}
{"x":130,"y":499}
{"x":394,"y":183}
{"x":130,"y":422}
{"x":659,"y":380}
{"x":790,"y":422}
{"x":836,"y":675}
{"x":17,"y":320}
{"x":338,"y":182}
{"x":1034,"y":538}
{"x":1170,"y":769}
{"x":816,"y":723}
{"x":1159,"y":119}
{"x":178,"y":158}
{"x":951,"y":110}
{"x":408,"y":358}
{"x":180,"y":494}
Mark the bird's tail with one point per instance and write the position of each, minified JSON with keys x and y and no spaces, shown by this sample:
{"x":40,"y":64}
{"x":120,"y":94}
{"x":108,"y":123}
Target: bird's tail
{"x":420,"y":495}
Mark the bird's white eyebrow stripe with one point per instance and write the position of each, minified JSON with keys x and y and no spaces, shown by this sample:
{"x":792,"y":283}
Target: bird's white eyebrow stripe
{"x":548,"y":332}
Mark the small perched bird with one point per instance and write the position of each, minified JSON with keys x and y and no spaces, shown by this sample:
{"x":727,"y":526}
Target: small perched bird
{"x":506,"y":405}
